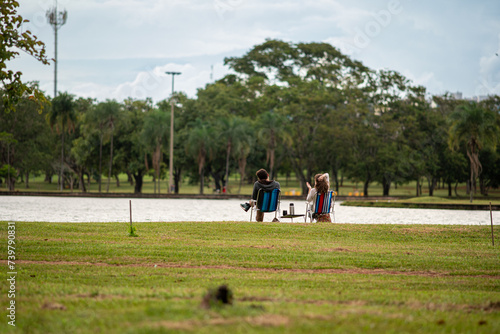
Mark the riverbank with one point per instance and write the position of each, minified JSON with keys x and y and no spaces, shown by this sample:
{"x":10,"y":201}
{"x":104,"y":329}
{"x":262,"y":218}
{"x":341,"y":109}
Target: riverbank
{"x":179,"y":196}
{"x":297,"y":278}
{"x":427,"y":203}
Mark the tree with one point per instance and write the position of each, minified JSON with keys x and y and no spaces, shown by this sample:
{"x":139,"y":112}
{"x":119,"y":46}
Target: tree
{"x":110,"y":113}
{"x":231,"y":131}
{"x":199,"y":146}
{"x":271,"y":132}
{"x":33,"y":152}
{"x":62,"y":116}
{"x":132,"y":149}
{"x":7,"y":140}
{"x":155,"y":132}
{"x":14,"y":39}
{"x":475,"y":127}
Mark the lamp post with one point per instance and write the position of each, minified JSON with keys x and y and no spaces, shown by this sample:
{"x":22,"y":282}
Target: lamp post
{"x":171,"y":186}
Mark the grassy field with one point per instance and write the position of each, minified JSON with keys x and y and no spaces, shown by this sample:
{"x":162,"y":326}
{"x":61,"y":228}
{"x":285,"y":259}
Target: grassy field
{"x":286,"y":278}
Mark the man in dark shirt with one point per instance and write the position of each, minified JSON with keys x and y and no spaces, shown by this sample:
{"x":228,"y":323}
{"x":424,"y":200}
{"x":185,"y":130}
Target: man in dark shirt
{"x":263,"y":182}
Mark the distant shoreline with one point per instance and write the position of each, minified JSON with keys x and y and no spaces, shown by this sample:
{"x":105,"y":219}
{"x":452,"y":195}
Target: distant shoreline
{"x":450,"y":206}
{"x":371,"y":201}
{"x":183,"y":196}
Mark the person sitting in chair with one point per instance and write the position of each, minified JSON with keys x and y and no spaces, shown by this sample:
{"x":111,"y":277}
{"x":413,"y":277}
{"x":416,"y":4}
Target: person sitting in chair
{"x":263,"y":182}
{"x":321,"y":185}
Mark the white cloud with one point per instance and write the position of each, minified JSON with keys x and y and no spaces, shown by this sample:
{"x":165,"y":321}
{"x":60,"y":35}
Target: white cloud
{"x":489,"y":73}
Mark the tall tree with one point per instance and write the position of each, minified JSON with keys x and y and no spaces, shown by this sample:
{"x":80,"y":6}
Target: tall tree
{"x":476,"y":127}
{"x":62,"y":117}
{"x":199,"y":146}
{"x":272,"y":134}
{"x":15,"y":39}
{"x":231,"y":130}
{"x":154,"y":134}
{"x":111,"y":113}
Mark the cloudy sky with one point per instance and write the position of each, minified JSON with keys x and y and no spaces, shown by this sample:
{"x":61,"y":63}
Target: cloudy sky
{"x":121,"y":48}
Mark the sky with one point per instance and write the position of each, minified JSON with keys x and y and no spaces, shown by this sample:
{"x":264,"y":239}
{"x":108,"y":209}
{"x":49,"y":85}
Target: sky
{"x":116,"y":49}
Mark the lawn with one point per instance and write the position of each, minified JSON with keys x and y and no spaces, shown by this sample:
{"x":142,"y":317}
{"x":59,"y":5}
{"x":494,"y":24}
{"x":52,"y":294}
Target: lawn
{"x":285,"y":278}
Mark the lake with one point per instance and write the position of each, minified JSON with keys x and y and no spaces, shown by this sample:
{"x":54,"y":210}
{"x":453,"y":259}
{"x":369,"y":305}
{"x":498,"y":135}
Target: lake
{"x":84,"y":209}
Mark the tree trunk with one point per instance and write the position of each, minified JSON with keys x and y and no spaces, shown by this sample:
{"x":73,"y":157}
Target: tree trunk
{"x":48,"y":176}
{"x":61,"y":172}
{"x":226,"y":178}
{"x":81,"y":181}
{"x":430,"y":183}
{"x":386,"y":186}
{"x":365,"y":187}
{"x":202,"y":180}
{"x":177,"y":178}
{"x":110,"y":162}
{"x":26,"y":181}
{"x":449,"y":189}
{"x":336,"y":178}
{"x":138,"y":182}
{"x":471,"y":186}
{"x":100,"y":163}
{"x":11,"y":182}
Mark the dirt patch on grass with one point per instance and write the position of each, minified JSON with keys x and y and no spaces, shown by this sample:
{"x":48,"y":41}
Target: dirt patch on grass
{"x":356,"y":271}
{"x":53,"y":306}
{"x":264,"y":320}
{"x":429,"y":230}
{"x":468,"y":308}
{"x":338,"y":249}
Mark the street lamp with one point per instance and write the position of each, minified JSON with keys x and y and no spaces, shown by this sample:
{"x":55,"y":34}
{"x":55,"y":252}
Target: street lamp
{"x":171,"y":187}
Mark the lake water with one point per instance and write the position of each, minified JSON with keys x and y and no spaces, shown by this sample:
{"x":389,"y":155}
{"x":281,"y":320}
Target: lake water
{"x":81,"y":210}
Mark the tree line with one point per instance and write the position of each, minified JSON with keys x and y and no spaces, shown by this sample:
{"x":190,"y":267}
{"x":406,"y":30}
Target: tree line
{"x":296,"y":108}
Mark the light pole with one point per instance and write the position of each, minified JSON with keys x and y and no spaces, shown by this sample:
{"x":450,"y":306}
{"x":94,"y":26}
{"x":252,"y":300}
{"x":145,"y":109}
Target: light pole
{"x":171,"y":186}
{"x":56,"y":20}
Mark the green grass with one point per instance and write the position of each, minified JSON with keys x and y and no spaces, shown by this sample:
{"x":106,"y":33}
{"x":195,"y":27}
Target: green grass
{"x":286,"y":278}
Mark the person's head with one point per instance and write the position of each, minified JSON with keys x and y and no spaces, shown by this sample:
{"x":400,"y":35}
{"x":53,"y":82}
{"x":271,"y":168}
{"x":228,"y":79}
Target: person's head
{"x":322,"y":182}
{"x":262,"y":174}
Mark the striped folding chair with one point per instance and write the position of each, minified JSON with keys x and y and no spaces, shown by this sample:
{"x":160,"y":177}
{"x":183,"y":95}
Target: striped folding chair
{"x":267,"y":201}
{"x":323,"y":204}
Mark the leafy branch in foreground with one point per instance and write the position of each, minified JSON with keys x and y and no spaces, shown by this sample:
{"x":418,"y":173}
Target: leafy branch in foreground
{"x":12,"y":39}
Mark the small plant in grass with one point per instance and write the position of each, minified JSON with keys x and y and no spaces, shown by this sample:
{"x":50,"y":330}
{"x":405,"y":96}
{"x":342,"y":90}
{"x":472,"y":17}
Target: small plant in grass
{"x":132,"y":231}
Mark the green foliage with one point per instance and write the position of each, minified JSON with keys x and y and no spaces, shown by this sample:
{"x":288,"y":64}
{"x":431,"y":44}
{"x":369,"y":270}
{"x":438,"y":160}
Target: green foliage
{"x":298,"y":108}
{"x":13,"y":40}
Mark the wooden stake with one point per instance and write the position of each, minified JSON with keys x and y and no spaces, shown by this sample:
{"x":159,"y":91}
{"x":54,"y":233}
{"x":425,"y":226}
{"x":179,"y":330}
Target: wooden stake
{"x":491,"y":218}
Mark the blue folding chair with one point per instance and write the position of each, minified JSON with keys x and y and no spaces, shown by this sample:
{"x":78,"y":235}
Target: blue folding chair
{"x":267,"y":201}
{"x":324,"y":203}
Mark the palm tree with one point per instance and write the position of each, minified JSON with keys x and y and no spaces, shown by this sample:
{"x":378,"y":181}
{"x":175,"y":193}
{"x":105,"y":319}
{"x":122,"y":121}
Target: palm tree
{"x":110,"y":112}
{"x":271,"y":131}
{"x":62,"y":116}
{"x":199,"y":146}
{"x":476,"y":127}
{"x":154,"y":133}
{"x":242,"y":149}
{"x":230,"y":130}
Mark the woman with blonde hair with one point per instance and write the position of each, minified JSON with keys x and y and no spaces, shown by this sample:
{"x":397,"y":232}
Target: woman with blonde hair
{"x":321,"y":185}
